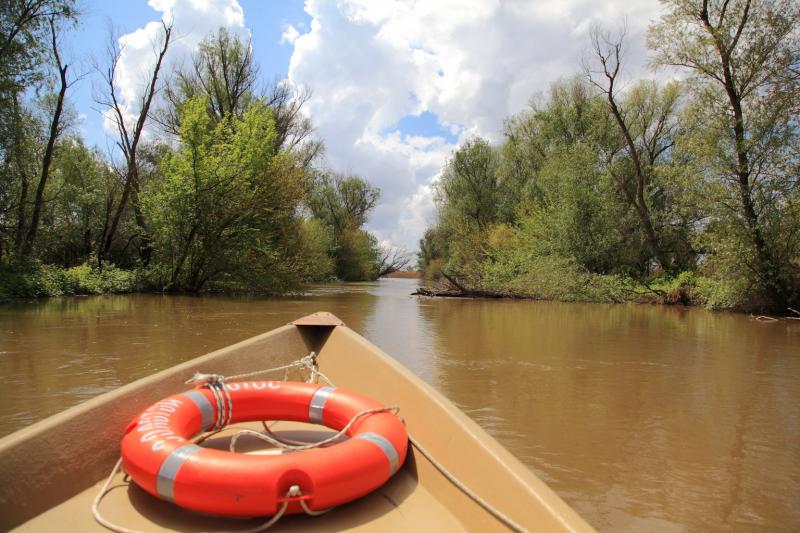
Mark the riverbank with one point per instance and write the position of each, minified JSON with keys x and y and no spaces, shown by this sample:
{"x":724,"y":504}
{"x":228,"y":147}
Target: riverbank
{"x":38,"y":280}
{"x":686,"y":289}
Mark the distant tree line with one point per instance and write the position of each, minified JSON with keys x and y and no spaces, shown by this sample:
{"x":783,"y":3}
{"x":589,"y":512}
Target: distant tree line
{"x":684,"y":191}
{"x":215,"y":179}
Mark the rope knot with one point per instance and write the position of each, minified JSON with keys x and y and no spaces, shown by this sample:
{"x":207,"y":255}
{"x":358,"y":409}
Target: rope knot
{"x":200,"y":379}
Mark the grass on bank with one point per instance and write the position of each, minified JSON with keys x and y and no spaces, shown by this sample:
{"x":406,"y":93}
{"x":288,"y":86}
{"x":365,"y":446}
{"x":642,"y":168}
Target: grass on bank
{"x":559,"y":280}
{"x":563,"y":279}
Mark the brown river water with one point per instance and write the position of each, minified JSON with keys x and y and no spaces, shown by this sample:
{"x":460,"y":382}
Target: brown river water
{"x":642,"y":418}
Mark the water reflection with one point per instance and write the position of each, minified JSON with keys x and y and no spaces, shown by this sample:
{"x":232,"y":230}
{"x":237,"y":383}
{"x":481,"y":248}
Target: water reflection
{"x":642,"y":418}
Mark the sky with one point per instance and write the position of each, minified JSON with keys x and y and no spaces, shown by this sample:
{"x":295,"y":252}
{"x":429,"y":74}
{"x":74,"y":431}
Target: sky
{"x":397,"y":85}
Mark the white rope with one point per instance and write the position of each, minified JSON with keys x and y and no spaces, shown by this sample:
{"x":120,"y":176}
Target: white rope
{"x":499,"y":515}
{"x":293,"y":492}
{"x":311,"y":445}
{"x":309,"y":362}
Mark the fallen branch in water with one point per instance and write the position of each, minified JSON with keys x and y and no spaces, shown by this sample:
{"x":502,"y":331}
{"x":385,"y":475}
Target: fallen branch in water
{"x":764,"y":318}
{"x":457,"y":290}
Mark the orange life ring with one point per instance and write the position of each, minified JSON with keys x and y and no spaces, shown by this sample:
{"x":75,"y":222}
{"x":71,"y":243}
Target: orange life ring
{"x":159,"y":457}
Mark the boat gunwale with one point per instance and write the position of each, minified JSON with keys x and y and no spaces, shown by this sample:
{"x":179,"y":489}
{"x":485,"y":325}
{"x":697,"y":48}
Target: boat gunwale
{"x":314,"y":337}
{"x":38,"y":435}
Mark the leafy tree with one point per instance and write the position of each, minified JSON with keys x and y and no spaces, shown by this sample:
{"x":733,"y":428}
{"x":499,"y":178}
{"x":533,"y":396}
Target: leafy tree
{"x":27,"y":42}
{"x":24,"y":47}
{"x":646,"y":122}
{"x":224,"y":71}
{"x":55,"y":131}
{"x":432,"y":247}
{"x":357,"y":255}
{"x":227,"y":204}
{"x":344,"y":203}
{"x":77,"y":193}
{"x":743,"y":60}
{"x":469,"y":189}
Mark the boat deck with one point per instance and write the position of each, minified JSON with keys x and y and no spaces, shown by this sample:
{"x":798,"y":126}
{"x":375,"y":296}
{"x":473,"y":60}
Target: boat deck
{"x":400,"y":504}
{"x":51,"y":471}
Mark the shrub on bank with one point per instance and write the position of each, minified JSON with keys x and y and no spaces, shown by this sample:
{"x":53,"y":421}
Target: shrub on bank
{"x":36,"y":280}
{"x":691,"y":288}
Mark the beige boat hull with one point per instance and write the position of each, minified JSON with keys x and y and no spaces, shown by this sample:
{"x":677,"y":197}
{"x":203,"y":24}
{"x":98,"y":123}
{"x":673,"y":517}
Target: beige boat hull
{"x":51,"y":471}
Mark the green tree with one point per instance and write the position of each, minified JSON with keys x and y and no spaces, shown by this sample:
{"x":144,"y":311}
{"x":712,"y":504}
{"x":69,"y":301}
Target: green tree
{"x":27,"y":42}
{"x":74,"y":214}
{"x":432,"y":247}
{"x":227,"y":205}
{"x":469,"y":189}
{"x":357,"y":255}
{"x":574,"y":207}
{"x":646,"y":121}
{"x":224,"y":71}
{"x":344,"y":204}
{"x":743,"y":60}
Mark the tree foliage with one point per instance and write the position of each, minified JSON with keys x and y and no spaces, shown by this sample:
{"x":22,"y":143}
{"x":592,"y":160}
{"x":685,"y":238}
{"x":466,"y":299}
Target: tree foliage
{"x":344,"y":203}
{"x":624,"y":186}
{"x":742,"y":134}
{"x":227,"y":195}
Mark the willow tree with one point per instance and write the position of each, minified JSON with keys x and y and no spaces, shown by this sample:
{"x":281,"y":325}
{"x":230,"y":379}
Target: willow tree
{"x":224,"y":71}
{"x":226,"y":207}
{"x":646,"y":120}
{"x":344,"y":204}
{"x":743,"y":59}
{"x":469,"y":190}
{"x":129,"y":138}
{"x":56,"y":129}
{"x":27,"y":44}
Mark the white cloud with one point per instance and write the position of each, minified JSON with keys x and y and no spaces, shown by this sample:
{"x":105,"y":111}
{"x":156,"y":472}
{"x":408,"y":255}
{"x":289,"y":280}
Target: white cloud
{"x":290,"y":34}
{"x":192,"y":21}
{"x":471,"y":62}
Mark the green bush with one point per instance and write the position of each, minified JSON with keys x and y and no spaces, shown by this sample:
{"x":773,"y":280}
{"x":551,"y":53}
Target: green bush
{"x":719,"y":294}
{"x":357,"y":256}
{"x":35,"y":280}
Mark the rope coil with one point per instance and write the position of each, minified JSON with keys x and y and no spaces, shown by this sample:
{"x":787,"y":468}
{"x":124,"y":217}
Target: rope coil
{"x":297,"y":446}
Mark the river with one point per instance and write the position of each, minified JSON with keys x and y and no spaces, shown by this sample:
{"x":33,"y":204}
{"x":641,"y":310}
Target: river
{"x":643,"y":418}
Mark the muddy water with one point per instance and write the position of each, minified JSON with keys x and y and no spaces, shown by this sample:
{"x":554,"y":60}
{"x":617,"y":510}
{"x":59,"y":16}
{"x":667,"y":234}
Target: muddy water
{"x":642,"y":418}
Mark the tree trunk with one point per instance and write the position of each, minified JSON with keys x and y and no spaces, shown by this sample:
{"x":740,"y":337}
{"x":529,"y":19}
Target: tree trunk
{"x":19,"y":234}
{"x":182,"y":257}
{"x":129,"y":144}
{"x":55,"y":131}
{"x":777,"y":287}
{"x":105,"y":247}
{"x":638,"y":200}
{"x":145,"y":242}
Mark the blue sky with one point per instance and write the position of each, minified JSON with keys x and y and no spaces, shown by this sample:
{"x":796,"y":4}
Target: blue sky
{"x":397,"y":85}
{"x":266,"y":20}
